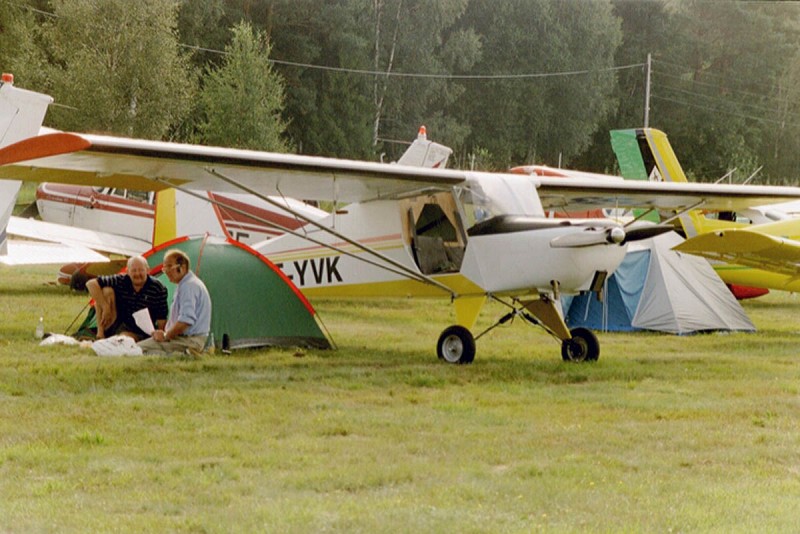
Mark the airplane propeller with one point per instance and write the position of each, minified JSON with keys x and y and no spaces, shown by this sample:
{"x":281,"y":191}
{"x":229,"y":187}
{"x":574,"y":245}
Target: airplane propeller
{"x":615,"y":235}
{"x":646,"y":232}
{"x":589,"y":237}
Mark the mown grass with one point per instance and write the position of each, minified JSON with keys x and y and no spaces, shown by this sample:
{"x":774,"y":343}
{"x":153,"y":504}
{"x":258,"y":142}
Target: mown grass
{"x":664,"y":433}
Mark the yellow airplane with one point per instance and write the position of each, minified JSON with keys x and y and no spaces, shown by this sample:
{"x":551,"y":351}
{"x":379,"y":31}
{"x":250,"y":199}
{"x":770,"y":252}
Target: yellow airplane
{"x":751,"y":254}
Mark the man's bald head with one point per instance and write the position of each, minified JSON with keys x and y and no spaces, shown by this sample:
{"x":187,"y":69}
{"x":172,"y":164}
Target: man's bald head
{"x":140,"y":260}
{"x":137,"y":271}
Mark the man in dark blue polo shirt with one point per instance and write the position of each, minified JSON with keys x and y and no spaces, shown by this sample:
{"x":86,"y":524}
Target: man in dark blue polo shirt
{"x":117,"y":297}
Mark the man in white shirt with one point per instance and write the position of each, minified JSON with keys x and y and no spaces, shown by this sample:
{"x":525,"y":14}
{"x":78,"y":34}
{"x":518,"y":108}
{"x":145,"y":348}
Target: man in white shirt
{"x":189,"y":319}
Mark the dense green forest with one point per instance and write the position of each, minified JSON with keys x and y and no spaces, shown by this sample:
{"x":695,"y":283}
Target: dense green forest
{"x":504,"y":82}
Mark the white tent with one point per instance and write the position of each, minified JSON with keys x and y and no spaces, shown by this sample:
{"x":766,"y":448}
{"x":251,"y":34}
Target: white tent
{"x":656,"y":288}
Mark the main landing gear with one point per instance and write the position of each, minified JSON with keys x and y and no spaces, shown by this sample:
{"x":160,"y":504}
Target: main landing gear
{"x":457,"y":345}
{"x":582,"y":347}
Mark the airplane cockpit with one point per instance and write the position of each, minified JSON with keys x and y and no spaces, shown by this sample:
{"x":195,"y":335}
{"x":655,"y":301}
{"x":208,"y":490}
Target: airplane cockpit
{"x":438,"y":224}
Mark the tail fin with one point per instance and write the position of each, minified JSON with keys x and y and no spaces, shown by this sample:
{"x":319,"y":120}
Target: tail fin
{"x":424,"y":153}
{"x":8,"y":198}
{"x":21,"y":116}
{"x":21,"y":112}
{"x":646,"y":154}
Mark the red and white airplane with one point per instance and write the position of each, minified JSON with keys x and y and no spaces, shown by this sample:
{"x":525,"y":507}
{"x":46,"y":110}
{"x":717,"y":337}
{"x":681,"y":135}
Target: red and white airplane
{"x":129,"y":213}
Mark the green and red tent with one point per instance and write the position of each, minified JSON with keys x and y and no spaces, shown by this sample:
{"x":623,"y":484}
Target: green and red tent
{"x":253,"y":303}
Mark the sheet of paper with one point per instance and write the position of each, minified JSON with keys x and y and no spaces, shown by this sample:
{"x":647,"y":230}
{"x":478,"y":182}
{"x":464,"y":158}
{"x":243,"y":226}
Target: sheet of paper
{"x":143,"y":321}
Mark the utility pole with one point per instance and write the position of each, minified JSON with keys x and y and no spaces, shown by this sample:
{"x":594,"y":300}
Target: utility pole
{"x":647,"y":91}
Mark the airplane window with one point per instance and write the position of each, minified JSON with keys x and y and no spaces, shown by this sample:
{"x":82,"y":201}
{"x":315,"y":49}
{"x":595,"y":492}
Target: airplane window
{"x":140,"y":196}
{"x":486,"y":197}
{"x":477,"y":206}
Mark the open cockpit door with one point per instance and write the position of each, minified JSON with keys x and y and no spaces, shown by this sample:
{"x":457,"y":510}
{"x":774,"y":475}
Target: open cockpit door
{"x":434,"y":232}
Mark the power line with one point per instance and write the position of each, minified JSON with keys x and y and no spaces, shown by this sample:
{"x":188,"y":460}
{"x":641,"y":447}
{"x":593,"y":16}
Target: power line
{"x":722,"y":111}
{"x":725,"y":101}
{"x":711,"y":74}
{"x":712,"y":85}
{"x":728,"y":102}
{"x":457,"y":76}
{"x":440,"y":76}
{"x":430,"y":75}
{"x":523,"y":76}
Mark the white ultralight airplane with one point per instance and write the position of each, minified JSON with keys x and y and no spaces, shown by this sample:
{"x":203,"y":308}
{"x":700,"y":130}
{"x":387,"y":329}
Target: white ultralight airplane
{"x":407,"y":231}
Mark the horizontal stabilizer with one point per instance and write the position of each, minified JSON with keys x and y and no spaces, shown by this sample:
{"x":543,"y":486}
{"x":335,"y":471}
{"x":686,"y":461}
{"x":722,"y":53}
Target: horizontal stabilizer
{"x":38,"y":253}
{"x":76,"y":237}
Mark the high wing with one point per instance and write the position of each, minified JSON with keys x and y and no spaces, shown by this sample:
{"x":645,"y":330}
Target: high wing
{"x":557,"y":193}
{"x":153,"y":165}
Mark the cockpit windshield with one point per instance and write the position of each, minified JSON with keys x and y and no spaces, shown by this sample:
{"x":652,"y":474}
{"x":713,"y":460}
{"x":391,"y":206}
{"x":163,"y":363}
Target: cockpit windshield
{"x":487,"y":196}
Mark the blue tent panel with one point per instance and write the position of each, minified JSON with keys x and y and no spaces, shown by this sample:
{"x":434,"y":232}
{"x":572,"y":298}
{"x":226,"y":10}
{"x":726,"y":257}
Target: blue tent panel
{"x":621,"y":295}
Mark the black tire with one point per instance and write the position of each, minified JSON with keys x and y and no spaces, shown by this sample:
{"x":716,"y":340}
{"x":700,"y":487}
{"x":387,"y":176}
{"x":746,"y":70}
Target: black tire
{"x":456,"y":345}
{"x":583,"y":347}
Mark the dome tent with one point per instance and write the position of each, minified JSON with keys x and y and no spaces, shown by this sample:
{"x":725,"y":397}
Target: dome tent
{"x":253,"y":303}
{"x":656,"y":288}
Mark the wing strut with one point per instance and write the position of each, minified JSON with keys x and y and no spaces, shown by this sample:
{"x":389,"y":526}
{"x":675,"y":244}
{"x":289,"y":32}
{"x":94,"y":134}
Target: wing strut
{"x":684,"y":211}
{"x":394,"y":266}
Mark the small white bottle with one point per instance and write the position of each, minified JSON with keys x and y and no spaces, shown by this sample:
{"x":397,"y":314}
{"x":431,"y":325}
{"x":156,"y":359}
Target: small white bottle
{"x":40,"y":328}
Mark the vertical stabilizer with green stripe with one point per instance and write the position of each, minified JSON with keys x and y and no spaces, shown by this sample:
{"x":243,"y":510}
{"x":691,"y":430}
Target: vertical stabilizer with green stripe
{"x":646,"y":154}
{"x":625,"y":144}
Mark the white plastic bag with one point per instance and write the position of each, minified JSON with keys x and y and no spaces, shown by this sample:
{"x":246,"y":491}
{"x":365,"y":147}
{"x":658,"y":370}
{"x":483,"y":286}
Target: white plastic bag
{"x":116,"y":346}
{"x":58,"y":339}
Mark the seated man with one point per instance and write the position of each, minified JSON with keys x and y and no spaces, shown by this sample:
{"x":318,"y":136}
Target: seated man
{"x":117,"y":297}
{"x":190,"y":314}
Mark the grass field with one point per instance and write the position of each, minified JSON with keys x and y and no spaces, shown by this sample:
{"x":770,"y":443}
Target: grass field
{"x":662,"y":434}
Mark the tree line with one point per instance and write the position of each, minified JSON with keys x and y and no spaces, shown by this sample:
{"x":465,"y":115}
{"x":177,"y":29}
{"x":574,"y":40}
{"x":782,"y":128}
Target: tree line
{"x":503,"y":82}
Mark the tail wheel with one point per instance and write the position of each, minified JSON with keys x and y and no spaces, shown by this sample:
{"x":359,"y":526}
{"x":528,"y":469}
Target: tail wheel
{"x":456,"y":345}
{"x":583,"y":347}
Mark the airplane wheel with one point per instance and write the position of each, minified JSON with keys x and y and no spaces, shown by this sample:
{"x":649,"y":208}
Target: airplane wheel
{"x":583,"y":347}
{"x":456,"y":345}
